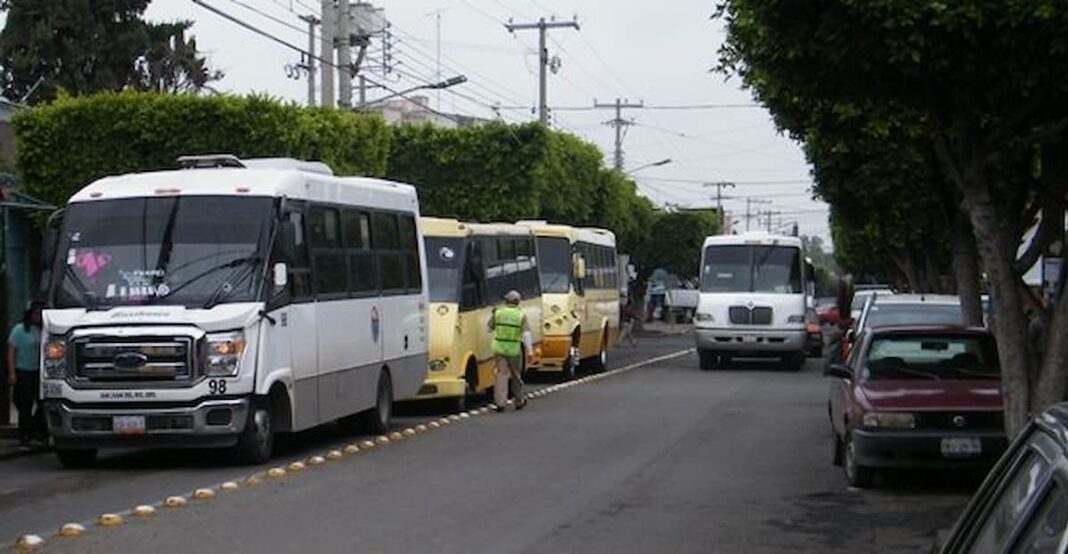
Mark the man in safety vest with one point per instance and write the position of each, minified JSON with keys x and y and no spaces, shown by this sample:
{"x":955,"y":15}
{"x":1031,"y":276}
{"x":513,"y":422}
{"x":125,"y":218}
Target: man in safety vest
{"x":510,"y":334}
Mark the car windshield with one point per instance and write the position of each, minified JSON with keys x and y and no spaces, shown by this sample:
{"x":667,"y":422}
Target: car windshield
{"x":914,"y":314}
{"x":934,"y":357}
{"x":554,"y":264}
{"x":192,"y":251}
{"x":751,"y":268}
{"x":444,"y":262}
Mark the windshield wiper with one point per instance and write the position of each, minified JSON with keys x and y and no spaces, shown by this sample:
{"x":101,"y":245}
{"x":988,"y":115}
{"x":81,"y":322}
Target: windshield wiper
{"x":87,"y":299}
{"x":222,"y":291}
{"x":236,"y":262}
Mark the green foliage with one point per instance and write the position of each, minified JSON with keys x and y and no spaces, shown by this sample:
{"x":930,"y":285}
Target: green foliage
{"x":674,"y":242}
{"x":67,"y":144}
{"x":87,"y":46}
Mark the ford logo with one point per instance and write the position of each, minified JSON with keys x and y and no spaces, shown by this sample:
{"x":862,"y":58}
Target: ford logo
{"x":130,"y":360}
{"x":959,"y":421}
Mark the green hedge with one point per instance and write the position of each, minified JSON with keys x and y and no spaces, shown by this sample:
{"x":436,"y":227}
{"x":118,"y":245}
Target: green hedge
{"x":68,"y":143}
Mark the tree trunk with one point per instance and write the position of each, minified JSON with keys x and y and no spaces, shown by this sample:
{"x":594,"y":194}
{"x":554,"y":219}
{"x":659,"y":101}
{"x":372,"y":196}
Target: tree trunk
{"x":997,"y":246}
{"x":1053,"y":374}
{"x":966,"y":270}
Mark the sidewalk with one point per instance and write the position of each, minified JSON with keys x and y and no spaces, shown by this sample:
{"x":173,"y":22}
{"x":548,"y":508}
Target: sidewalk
{"x":661,"y":328}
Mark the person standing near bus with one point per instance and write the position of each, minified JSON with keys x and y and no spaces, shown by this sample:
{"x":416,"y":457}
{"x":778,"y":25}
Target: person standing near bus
{"x":23,"y":366}
{"x":510,"y":334}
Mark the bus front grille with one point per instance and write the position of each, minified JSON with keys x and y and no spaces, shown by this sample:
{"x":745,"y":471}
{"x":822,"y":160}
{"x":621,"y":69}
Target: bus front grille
{"x":744,"y":315}
{"x":134,"y":359}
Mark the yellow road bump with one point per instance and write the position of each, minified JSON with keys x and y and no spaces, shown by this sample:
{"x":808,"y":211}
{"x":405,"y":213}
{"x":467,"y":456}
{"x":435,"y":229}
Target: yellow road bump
{"x":276,"y":472}
{"x":204,"y":494}
{"x":454,"y":417}
{"x":297,"y":466}
{"x":382,"y":439}
{"x":395,"y":436}
{"x":144,"y":510}
{"x":337,"y":455}
{"x":110,"y":520}
{"x":352,"y":449}
{"x":72,"y":530}
{"x":254,"y":479}
{"x":316,"y":461}
{"x":367,"y":444}
{"x":464,"y":415}
{"x":433,"y":425}
{"x":29,"y":542}
{"x":421,"y":428}
{"x":409,"y":432}
{"x":176,"y":502}
{"x":484,"y":410}
{"x":229,"y":486}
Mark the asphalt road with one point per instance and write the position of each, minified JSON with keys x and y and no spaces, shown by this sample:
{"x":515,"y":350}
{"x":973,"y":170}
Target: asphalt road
{"x":660,"y":458}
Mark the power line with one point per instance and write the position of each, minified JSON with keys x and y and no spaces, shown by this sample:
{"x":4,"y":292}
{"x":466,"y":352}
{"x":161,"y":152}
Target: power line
{"x":277,"y":20}
{"x":737,"y":182}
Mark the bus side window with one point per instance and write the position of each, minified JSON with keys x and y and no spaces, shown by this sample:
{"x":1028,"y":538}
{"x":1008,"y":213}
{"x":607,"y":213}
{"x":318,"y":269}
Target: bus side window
{"x":410,"y":245}
{"x":474,"y":281}
{"x":300,"y":266}
{"x":363,"y":265}
{"x":328,"y":256}
{"x":387,"y":244}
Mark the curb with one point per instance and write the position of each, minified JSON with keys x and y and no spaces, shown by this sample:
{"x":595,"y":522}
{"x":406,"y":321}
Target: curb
{"x":285,"y":471}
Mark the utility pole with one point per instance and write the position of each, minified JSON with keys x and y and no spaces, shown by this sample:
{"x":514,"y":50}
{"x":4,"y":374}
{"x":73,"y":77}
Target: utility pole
{"x":543,"y":53}
{"x":344,"y":54}
{"x":326,"y":51}
{"x":719,"y":200}
{"x":310,"y":66}
{"x":748,"y":212}
{"x":619,"y":123}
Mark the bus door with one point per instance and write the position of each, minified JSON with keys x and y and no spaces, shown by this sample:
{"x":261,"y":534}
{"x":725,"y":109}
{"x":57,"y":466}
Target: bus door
{"x":292,"y":341}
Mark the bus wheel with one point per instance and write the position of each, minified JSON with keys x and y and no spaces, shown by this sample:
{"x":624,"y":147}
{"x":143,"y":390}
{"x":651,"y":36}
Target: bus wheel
{"x":255,"y":444}
{"x":458,"y":405}
{"x":76,"y":458}
{"x":572,"y":362}
{"x":600,"y":363}
{"x":377,"y":420}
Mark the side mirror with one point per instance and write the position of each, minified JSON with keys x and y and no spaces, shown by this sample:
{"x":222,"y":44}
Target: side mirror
{"x":580,"y":268}
{"x":280,"y":276}
{"x":840,"y":371}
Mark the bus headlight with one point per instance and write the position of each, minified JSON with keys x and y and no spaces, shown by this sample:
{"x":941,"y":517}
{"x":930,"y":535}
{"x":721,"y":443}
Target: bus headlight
{"x":799,"y":318}
{"x":437,"y":365}
{"x":704,"y":317}
{"x":224,"y":354}
{"x":55,"y":357}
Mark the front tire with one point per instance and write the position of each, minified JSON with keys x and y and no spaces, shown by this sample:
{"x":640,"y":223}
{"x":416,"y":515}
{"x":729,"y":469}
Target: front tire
{"x":378,"y":420}
{"x":856,"y":475}
{"x":76,"y":458}
{"x":571,"y":364}
{"x":255,"y":445}
{"x":600,"y":363}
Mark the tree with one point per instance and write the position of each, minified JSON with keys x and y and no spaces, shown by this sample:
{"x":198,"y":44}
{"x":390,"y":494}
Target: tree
{"x":674,"y":243}
{"x":983,"y":81}
{"x":83,"y":46}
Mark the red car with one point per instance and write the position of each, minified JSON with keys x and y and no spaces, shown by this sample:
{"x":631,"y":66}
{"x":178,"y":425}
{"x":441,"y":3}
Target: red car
{"x":916,"y":398}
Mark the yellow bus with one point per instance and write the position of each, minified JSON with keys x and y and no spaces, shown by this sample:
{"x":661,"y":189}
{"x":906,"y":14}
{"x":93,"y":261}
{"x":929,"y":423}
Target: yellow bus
{"x":580,"y":278}
{"x":470,"y":267}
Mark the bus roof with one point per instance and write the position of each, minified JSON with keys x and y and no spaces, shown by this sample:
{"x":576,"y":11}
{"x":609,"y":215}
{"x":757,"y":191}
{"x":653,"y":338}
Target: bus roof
{"x":543,"y":228}
{"x":443,"y":227}
{"x":292,"y":182}
{"x":759,"y":238}
{"x":593,"y":235}
{"x":510,"y":229}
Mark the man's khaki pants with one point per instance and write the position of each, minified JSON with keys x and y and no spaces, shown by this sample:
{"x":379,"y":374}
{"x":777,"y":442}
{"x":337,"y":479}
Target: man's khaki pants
{"x":509,"y":372}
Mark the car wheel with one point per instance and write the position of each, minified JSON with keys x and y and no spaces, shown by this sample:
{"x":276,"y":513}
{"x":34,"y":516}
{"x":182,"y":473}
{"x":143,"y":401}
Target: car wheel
{"x":256,"y":442}
{"x":76,"y":458}
{"x":856,"y":475}
{"x":836,"y":456}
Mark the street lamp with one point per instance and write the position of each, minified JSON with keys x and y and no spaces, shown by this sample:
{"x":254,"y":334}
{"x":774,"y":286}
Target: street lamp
{"x":665,"y":161}
{"x":450,"y":82}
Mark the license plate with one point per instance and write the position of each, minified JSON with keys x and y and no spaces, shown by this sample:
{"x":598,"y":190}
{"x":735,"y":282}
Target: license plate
{"x":961,"y":447}
{"x":128,"y":425}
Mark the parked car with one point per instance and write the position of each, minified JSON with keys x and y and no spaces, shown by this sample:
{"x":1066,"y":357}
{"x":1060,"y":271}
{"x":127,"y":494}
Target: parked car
{"x":881,"y":310}
{"x":861,"y":296}
{"x":916,"y":398}
{"x":1022,"y":506}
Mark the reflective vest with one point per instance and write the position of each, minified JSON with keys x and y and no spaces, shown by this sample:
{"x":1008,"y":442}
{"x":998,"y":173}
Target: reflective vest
{"x":508,"y":332}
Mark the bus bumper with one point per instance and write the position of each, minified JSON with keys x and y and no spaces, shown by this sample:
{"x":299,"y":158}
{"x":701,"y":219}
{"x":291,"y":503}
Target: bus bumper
{"x":210,"y":423}
{"x":554,"y":352}
{"x":756,"y":342}
{"x":442,"y":387}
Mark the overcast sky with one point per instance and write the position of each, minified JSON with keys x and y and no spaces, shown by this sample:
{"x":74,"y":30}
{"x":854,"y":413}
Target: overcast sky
{"x":641,"y":51}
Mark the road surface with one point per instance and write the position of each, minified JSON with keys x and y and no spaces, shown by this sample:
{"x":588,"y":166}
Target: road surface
{"x":659,"y":458}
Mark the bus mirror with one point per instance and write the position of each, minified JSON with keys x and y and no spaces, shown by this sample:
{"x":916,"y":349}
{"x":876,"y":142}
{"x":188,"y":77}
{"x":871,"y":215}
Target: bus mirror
{"x":580,"y":268}
{"x":281,"y":275}
{"x":51,"y":242}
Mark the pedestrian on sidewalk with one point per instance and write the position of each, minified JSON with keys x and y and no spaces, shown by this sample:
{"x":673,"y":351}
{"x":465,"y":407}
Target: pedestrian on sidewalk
{"x":23,"y":366}
{"x":511,"y":334}
{"x":626,"y":319}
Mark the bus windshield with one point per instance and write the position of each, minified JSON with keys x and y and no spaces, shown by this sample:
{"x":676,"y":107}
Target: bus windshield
{"x":444,"y":262}
{"x":554,"y":263}
{"x":752,"y":268}
{"x":193,"y":251}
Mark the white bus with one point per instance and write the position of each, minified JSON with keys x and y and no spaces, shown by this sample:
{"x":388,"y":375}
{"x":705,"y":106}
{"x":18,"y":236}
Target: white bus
{"x":754,"y":293}
{"x":226,"y":302}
